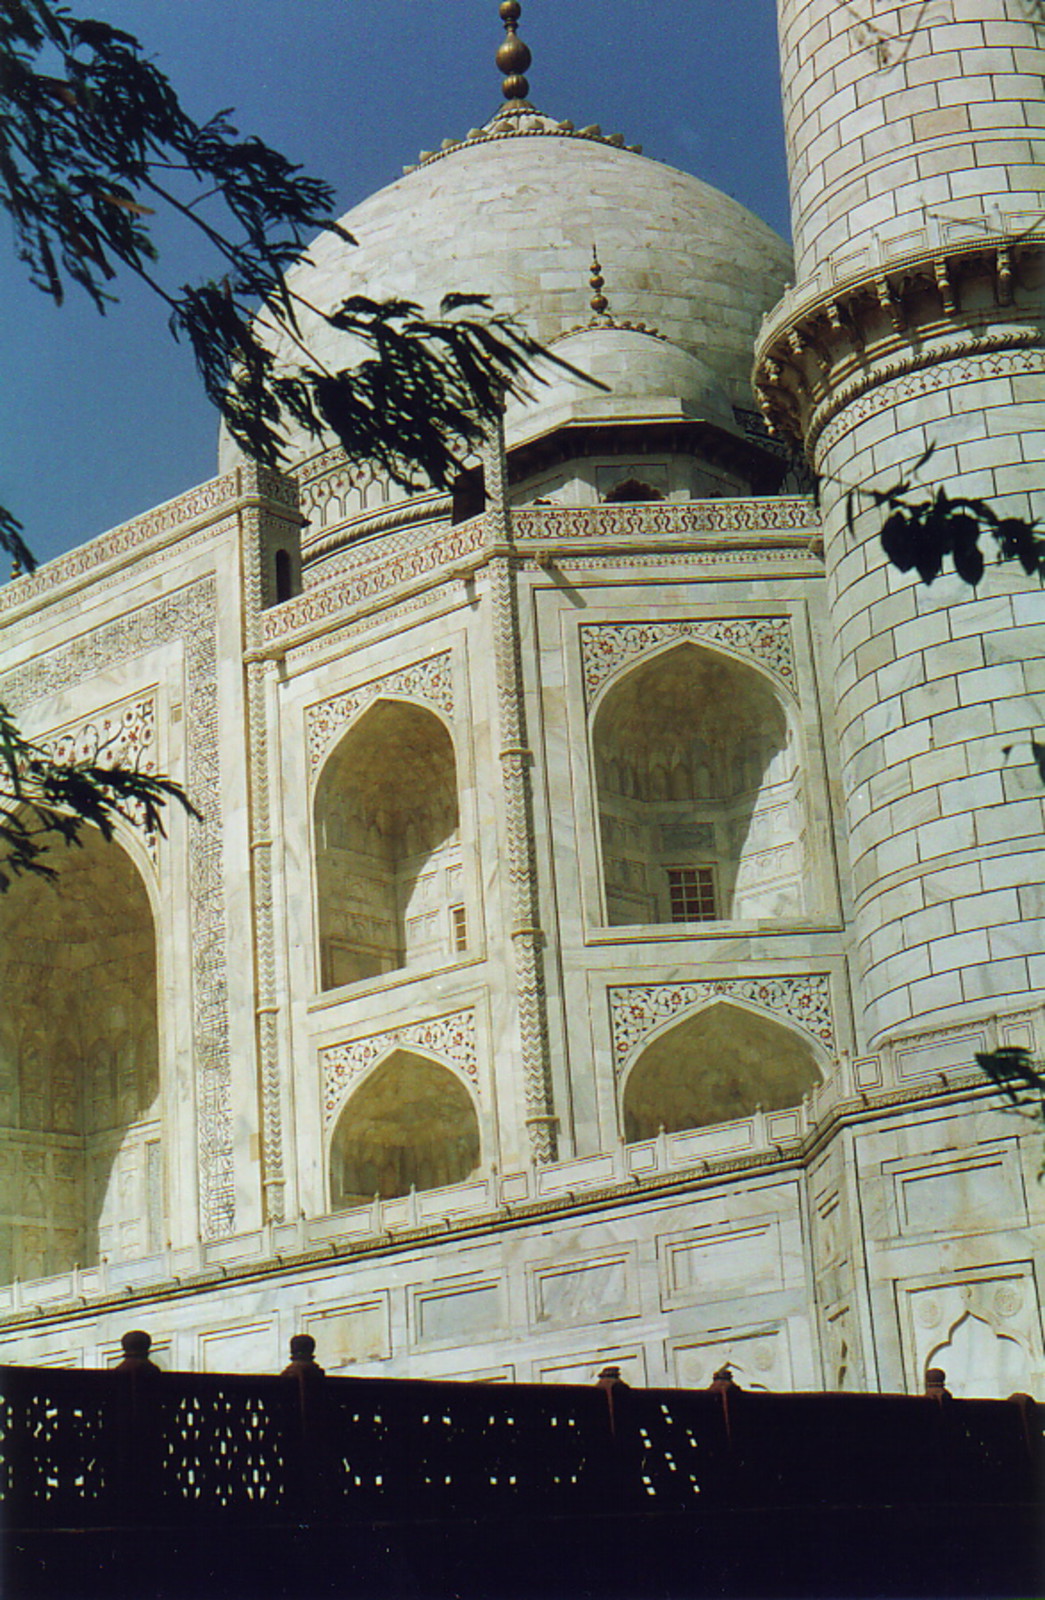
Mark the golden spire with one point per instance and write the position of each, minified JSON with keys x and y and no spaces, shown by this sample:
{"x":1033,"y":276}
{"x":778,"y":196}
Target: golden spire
{"x":513,"y":57}
{"x":599,"y":303}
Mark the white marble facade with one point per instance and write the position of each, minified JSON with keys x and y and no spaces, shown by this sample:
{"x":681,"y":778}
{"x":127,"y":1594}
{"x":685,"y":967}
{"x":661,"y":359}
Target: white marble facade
{"x":509,"y":1011}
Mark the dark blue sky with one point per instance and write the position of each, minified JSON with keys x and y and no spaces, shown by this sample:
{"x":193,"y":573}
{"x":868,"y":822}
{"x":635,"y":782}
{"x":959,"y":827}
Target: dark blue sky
{"x":101,"y":418}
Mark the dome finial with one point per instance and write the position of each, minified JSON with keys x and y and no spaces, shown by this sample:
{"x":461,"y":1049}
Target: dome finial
{"x":599,"y":303}
{"x":513,"y":57}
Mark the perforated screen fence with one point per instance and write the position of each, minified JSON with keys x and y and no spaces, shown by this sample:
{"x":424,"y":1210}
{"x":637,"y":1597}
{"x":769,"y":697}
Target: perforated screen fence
{"x":112,"y":1448}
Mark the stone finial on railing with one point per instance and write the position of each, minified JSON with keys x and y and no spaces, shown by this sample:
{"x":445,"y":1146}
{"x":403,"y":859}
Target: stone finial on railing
{"x":936,"y":1384}
{"x":303,"y":1363}
{"x":612,"y":1384}
{"x":136,"y":1346}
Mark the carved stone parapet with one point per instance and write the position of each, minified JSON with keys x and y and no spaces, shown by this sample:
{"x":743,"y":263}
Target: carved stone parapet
{"x":816,"y":349}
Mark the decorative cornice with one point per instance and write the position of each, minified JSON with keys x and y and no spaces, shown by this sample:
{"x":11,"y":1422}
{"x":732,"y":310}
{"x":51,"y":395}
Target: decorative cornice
{"x":382,"y":570}
{"x":922,"y":372}
{"x":367,"y":525}
{"x":165,"y":524}
{"x":818,"y":350}
{"x":517,"y":120}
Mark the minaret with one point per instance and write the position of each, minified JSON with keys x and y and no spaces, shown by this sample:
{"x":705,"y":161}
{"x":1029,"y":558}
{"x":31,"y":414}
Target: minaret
{"x":916,"y":150}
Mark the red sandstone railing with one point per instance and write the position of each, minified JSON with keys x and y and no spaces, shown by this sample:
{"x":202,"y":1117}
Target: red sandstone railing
{"x":135,"y":1445}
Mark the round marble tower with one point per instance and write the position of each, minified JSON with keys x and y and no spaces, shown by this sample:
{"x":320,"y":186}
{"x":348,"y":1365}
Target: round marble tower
{"x":916,"y":320}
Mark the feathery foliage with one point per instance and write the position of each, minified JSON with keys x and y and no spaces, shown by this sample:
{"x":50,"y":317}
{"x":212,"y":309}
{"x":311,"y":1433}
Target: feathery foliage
{"x":43,"y":800}
{"x":94,"y":145}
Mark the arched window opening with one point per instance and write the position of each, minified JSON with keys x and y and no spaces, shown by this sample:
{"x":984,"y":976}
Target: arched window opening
{"x":720,"y":1064}
{"x":388,"y":853}
{"x":700,"y":808}
{"x":284,"y":576}
{"x":411,"y":1125}
{"x":632,"y":491}
{"x":81,"y":1175}
{"x":981,"y":1362}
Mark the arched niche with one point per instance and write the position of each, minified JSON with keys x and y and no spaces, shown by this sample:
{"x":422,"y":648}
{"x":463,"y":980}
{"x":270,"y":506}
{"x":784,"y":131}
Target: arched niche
{"x":81,"y":1176}
{"x":389,"y":876}
{"x":410,"y":1125}
{"x":982,"y":1363}
{"x":716,"y":1065}
{"x":700,"y":809}
{"x":632,"y":491}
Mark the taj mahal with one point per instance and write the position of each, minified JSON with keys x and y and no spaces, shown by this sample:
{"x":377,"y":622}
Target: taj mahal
{"x":605,"y":874}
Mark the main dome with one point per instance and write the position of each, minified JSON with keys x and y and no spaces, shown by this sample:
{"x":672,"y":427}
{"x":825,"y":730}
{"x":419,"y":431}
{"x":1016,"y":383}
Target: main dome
{"x":514,"y":211}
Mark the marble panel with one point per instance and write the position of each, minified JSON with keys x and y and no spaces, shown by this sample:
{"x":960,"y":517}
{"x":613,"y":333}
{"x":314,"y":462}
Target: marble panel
{"x":960,"y":1194}
{"x":758,"y":1359}
{"x":584,"y":1367}
{"x":242,"y":1347}
{"x":595,"y":1290}
{"x":457,"y":1311}
{"x":357,"y":1331}
{"x":711,"y":1263}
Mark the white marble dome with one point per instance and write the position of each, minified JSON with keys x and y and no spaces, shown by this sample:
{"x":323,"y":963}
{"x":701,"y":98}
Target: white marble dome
{"x":513,"y":212}
{"x":643,"y":376}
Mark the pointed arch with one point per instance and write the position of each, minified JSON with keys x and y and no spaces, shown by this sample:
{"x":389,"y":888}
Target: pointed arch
{"x":389,"y":876}
{"x":713,"y":1065}
{"x":411,"y":1124}
{"x":700,"y":807}
{"x":80,"y":1121}
{"x":980,"y":1362}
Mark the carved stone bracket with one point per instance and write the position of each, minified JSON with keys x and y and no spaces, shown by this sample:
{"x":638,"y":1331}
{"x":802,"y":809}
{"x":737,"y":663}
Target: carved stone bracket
{"x":639,"y":1010}
{"x":450,"y":1039}
{"x":956,"y":299}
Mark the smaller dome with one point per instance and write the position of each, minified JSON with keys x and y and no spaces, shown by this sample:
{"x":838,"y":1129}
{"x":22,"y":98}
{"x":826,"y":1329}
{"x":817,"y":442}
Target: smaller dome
{"x":645,"y":377}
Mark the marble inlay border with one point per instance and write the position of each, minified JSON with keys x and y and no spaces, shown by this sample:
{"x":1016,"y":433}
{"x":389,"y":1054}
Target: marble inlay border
{"x":187,"y":616}
{"x":122,"y":735}
{"x":607,"y":646}
{"x":430,"y":681}
{"x":638,"y":1010}
{"x":451,"y":1039}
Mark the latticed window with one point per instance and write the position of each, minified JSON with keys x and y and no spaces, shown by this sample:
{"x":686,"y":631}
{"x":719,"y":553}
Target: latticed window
{"x":458,"y":928}
{"x":691,"y":893}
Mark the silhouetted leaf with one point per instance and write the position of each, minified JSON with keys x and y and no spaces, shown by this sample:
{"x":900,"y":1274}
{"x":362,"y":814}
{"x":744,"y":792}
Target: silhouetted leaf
{"x":1038,"y":752}
{"x":898,"y":541}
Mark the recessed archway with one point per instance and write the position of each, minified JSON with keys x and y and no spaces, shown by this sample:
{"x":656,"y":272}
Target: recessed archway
{"x":716,"y":1065}
{"x":81,"y":1176}
{"x":389,"y":876}
{"x":410,"y":1125}
{"x":700,"y":810}
{"x":982,"y":1363}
